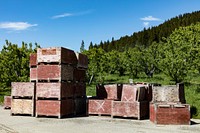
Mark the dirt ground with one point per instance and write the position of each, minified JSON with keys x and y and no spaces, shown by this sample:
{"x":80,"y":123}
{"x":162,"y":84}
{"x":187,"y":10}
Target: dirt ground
{"x":91,"y":124}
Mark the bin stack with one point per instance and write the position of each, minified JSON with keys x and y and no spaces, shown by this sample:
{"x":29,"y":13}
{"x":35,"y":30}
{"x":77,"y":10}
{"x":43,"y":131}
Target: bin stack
{"x":105,"y":95}
{"x":57,"y":85}
{"x":168,"y":105}
{"x":80,"y":98}
{"x":122,"y":100}
{"x":134,"y":102}
{"x":23,"y":98}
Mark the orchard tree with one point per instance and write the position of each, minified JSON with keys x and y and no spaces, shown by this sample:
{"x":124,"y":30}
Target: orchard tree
{"x":96,"y":63}
{"x":180,"y":52}
{"x":14,"y":63}
{"x":133,"y":57}
{"x":149,"y":58}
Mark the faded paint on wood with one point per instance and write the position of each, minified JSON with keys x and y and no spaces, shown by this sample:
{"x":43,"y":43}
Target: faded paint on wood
{"x":130,"y":109}
{"x":170,"y":114}
{"x":99,"y":107}
{"x":57,"y":108}
{"x":170,"y":93}
{"x":7,"y":102}
{"x":111,"y":91}
{"x":22,"y":106}
{"x":33,"y":74}
{"x":23,"y":89}
{"x":55,"y":72}
{"x":131,"y":93}
{"x":33,"y":59}
{"x":56,"y":54}
{"x":54,"y":90}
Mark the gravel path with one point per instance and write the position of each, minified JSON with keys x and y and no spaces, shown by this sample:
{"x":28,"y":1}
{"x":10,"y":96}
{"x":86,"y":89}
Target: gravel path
{"x":92,"y":124}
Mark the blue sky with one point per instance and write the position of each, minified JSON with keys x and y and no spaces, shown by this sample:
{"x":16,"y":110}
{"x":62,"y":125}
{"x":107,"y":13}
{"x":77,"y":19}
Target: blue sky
{"x":67,"y":22}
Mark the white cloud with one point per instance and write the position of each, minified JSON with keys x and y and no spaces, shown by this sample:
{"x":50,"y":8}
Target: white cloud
{"x":146,"y":24}
{"x":62,"y":15}
{"x":17,"y":26}
{"x":71,"y":14}
{"x":150,"y":18}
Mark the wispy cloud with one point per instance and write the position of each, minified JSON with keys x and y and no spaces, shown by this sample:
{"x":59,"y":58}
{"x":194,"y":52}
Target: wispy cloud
{"x":71,"y":14}
{"x":16,"y":26}
{"x":62,"y":15}
{"x":150,"y":18}
{"x":146,"y":24}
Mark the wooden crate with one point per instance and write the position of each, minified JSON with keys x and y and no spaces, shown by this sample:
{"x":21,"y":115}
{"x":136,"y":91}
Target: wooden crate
{"x":82,"y":61}
{"x":33,"y":74}
{"x":79,"y":89}
{"x":111,"y":91}
{"x":79,"y":75}
{"x":7,"y":102}
{"x":99,"y":107}
{"x":170,"y":113}
{"x":22,"y":107}
{"x":81,"y":106}
{"x":54,"y":90}
{"x":22,"y":89}
{"x":169,"y":93}
{"x":55,"y":73}
{"x":56,"y":55}
{"x":132,"y":93}
{"x":33,"y":60}
{"x":56,"y":108}
{"x":130,"y":109}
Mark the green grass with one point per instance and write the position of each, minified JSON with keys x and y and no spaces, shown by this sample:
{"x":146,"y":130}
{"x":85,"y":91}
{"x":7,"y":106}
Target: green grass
{"x":192,"y":87}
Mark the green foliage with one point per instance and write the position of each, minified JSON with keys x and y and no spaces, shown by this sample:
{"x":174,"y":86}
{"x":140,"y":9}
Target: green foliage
{"x":153,"y":34}
{"x":181,"y":52}
{"x":133,"y":58}
{"x":14,"y":63}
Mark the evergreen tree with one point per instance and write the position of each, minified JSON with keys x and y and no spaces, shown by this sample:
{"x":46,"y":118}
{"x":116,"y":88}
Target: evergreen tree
{"x":82,"y":48}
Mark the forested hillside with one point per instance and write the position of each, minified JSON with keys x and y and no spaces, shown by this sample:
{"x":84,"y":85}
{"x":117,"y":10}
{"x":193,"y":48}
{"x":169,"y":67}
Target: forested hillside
{"x":152,"y":34}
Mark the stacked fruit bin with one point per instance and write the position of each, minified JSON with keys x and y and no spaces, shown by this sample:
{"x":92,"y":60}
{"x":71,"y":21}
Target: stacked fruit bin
{"x":80,"y":98}
{"x":55,"y":82}
{"x":134,"y":102}
{"x":105,"y":95}
{"x":57,"y":85}
{"x":23,"y":98}
{"x":168,"y":105}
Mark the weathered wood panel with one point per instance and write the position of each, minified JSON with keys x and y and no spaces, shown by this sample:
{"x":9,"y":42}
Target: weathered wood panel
{"x":58,"y":108}
{"x":22,"y":106}
{"x":55,"y":72}
{"x":56,"y":55}
{"x":130,"y":109}
{"x":33,"y":60}
{"x":100,"y":107}
{"x":111,"y":91}
{"x":82,"y":61}
{"x":54,"y":90}
{"x":7,"y":102}
{"x":22,"y":89}
{"x":170,"y":114}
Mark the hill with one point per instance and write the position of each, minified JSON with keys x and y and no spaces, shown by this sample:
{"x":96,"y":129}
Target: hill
{"x":152,"y":34}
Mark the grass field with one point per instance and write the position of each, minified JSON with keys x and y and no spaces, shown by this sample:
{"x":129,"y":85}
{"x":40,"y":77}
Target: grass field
{"x":192,"y":87}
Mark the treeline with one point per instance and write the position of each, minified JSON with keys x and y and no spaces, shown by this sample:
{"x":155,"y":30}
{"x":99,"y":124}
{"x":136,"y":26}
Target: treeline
{"x":147,"y":36}
{"x":14,"y":63}
{"x":175,"y":56}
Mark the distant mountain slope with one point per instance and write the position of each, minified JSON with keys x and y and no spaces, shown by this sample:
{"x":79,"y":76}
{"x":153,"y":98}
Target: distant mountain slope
{"x":147,"y":36}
